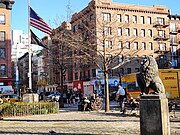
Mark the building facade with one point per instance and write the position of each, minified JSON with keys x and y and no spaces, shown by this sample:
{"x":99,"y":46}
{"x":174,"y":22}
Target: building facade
{"x":175,"y":40}
{"x":5,"y":42}
{"x":126,"y":30}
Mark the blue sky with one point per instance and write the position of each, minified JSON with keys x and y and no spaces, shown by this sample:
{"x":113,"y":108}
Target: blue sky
{"x":54,"y":12}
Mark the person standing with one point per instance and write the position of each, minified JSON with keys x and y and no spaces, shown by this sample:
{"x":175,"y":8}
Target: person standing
{"x":122,"y":98}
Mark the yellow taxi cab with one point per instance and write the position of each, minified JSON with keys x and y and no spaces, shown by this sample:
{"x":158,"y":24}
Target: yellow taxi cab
{"x":10,"y":98}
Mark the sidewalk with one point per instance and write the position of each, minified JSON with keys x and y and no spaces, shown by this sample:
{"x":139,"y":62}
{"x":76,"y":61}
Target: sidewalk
{"x":69,"y":121}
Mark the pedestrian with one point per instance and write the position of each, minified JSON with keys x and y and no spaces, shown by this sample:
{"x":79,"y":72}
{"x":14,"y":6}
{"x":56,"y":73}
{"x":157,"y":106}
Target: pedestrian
{"x":122,"y":98}
{"x":73,"y":98}
{"x":68,"y":95}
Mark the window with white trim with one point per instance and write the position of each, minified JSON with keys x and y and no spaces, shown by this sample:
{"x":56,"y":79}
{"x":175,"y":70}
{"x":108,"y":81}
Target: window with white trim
{"x":108,"y":44}
{"x":142,"y":20}
{"x":162,"y":46}
{"x":120,"y":59}
{"x":119,"y":18}
{"x":160,"y":20}
{"x":143,"y":45}
{"x":135,"y":32}
{"x":150,"y":46}
{"x":107,"y":31}
{"x":149,"y":33}
{"x":119,"y":31}
{"x":127,"y":31}
{"x":120,"y":45}
{"x":2,"y":19}
{"x":2,"y":35}
{"x":161,"y":33}
{"x":106,"y":17}
{"x":134,"y":18}
{"x":142,"y":32}
{"x":126,"y":18}
{"x":136,"y":45}
{"x":149,"y":20}
{"x":127,"y":45}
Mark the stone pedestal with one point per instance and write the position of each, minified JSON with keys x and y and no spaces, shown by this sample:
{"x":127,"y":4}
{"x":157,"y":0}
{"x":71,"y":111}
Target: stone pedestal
{"x":30,"y":98}
{"x":154,"y":115}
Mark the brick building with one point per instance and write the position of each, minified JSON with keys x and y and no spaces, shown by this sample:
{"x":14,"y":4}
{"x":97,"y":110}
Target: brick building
{"x":175,"y":40}
{"x":5,"y":42}
{"x":116,"y":26}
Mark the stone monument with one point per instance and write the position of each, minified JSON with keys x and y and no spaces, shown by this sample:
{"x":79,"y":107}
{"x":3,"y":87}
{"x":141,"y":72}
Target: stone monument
{"x":154,"y":113}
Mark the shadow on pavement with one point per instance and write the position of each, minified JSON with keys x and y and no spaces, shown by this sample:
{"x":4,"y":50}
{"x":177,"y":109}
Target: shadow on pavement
{"x":42,"y":133}
{"x":28,"y":120}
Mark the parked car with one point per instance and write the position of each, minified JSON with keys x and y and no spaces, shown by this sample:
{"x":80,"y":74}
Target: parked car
{"x":10,"y":98}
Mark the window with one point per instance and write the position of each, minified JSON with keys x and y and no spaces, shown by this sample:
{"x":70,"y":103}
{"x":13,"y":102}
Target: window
{"x":136,"y":69}
{"x":120,"y":45}
{"x":126,"y":18}
{"x":119,"y":18}
{"x":143,"y":46}
{"x":89,"y":74}
{"x":149,"y":33}
{"x":160,"y":20}
{"x":127,"y":45}
{"x":2,"y":70}
{"x":76,"y":76}
{"x":150,"y":46}
{"x":2,"y":19}
{"x":108,"y":44}
{"x":174,"y":50}
{"x":142,"y":32}
{"x":2,"y":52}
{"x":136,"y":45}
{"x":2,"y":35}
{"x":162,"y":46}
{"x":148,"y":20}
{"x":107,"y":31}
{"x":127,"y":31}
{"x":134,"y":18}
{"x":75,"y":28}
{"x":121,"y":71}
{"x":80,"y":76}
{"x":106,"y":16}
{"x":135,"y":32}
{"x":172,"y":27}
{"x":161,"y":33}
{"x":120,"y":59}
{"x":142,"y":20}
{"x":119,"y":31}
{"x":128,"y":70}
{"x":173,"y":39}
{"x":93,"y":72}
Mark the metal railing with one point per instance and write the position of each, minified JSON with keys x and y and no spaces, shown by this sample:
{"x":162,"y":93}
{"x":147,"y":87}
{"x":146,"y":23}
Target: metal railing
{"x":24,"y":109}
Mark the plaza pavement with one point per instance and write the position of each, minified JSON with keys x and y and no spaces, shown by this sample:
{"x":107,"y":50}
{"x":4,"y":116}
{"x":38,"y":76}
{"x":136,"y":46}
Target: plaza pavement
{"x":69,"y":121}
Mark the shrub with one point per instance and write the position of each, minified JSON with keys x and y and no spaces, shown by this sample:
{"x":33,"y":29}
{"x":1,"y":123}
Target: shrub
{"x":21,"y":108}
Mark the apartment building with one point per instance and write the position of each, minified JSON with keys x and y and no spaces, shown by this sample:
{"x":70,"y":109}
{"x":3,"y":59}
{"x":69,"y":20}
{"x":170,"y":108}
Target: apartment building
{"x":137,"y":30}
{"x":175,"y":40}
{"x":5,"y":42}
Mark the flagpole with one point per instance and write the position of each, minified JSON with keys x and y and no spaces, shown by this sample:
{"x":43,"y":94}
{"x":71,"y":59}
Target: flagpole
{"x":29,"y":49}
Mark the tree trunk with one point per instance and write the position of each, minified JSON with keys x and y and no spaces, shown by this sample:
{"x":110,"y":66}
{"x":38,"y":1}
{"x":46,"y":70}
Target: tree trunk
{"x":106,"y":92}
{"x":61,"y":100}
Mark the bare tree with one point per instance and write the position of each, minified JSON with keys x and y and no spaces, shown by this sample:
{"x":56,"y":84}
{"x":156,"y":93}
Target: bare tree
{"x":100,"y":43}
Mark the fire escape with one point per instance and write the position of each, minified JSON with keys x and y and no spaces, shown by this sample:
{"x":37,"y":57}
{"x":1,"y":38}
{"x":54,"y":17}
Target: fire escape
{"x":161,"y":38}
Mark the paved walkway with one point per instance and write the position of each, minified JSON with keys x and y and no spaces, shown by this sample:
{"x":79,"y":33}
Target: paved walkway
{"x":69,"y":121}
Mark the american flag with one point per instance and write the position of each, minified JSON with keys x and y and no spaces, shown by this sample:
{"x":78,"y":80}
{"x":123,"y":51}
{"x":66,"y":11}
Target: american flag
{"x":38,"y":23}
